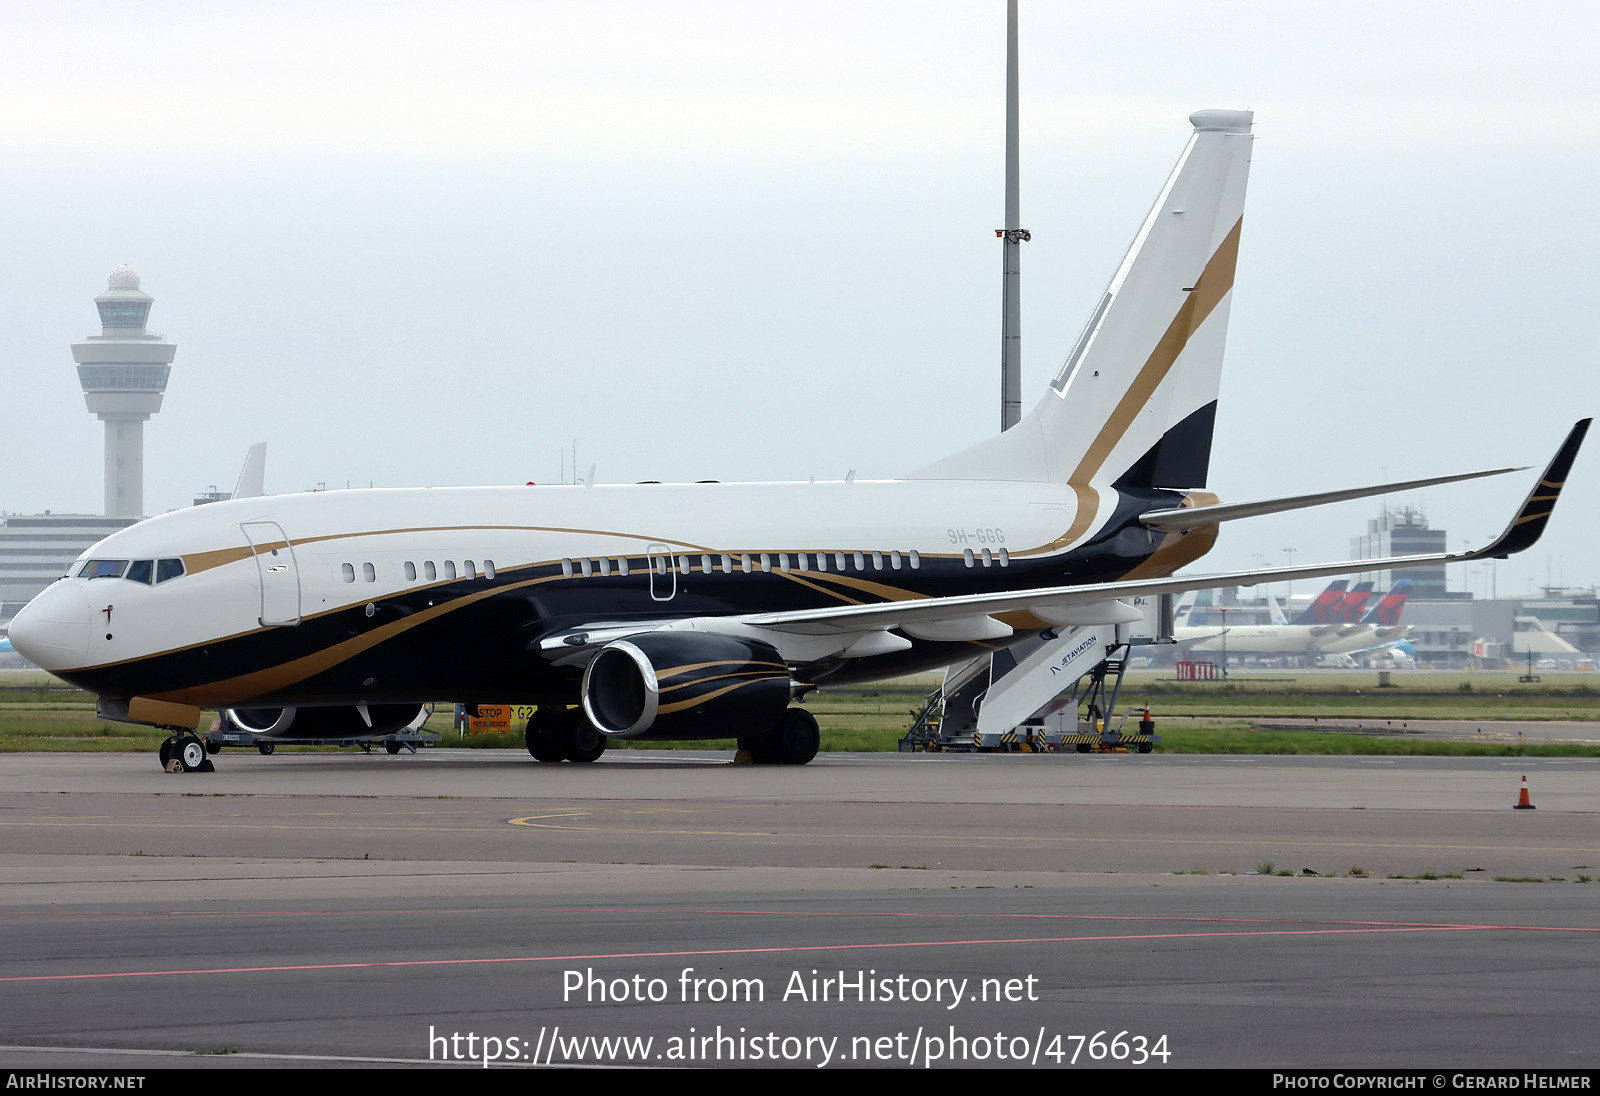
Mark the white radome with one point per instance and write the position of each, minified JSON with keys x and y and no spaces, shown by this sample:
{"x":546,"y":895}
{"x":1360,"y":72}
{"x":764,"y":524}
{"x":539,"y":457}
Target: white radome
{"x":123,"y":277}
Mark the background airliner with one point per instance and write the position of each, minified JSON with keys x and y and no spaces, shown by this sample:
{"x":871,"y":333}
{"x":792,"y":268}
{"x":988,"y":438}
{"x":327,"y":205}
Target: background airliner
{"x":702,"y":610}
{"x":1305,"y":635}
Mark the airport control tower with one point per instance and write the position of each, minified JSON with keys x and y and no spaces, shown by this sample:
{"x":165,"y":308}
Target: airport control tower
{"x":124,"y":371}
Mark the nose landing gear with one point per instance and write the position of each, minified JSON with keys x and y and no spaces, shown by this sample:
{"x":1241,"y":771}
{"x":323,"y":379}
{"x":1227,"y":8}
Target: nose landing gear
{"x":185,"y":752}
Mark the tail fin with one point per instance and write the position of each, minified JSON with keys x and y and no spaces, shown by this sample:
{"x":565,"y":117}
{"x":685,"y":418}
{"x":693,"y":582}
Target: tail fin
{"x":1184,"y":606}
{"x":1318,"y":611}
{"x":1278,"y":617}
{"x":1348,"y":609}
{"x":1386,"y":613}
{"x":1134,"y":404}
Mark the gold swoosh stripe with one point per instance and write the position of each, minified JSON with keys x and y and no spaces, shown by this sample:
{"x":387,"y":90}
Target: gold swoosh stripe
{"x":678,"y":706}
{"x":745,"y":679}
{"x":201,"y":561}
{"x":672,"y":671}
{"x":1214,"y":283}
{"x":1088,"y":500}
{"x":273,"y":678}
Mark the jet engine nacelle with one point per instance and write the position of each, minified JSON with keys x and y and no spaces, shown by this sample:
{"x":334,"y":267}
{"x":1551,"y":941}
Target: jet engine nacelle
{"x":342,"y":722}
{"x":681,"y":685}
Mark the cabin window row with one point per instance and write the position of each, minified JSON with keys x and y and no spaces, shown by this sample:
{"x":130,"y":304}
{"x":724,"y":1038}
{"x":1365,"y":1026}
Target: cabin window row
{"x":784,"y":562}
{"x":986,"y":557}
{"x":428,"y":571}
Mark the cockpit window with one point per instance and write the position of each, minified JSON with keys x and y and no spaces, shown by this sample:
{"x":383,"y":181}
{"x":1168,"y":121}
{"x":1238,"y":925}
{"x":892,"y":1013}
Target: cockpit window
{"x":168,"y":569}
{"x":103,"y":568}
{"x":141,"y":570}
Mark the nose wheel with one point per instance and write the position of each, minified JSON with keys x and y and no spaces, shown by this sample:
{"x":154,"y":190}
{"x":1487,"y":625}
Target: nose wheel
{"x":187,"y":752}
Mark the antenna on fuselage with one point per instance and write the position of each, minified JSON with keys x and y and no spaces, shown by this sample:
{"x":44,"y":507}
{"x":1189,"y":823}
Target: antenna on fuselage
{"x":1011,"y":252}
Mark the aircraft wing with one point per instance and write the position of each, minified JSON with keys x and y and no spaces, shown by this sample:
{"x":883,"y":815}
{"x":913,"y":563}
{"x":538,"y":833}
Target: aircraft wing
{"x":964,"y":615}
{"x":1094,"y":599}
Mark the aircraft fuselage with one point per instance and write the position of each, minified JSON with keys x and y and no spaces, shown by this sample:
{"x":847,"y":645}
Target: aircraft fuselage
{"x":383,"y":596}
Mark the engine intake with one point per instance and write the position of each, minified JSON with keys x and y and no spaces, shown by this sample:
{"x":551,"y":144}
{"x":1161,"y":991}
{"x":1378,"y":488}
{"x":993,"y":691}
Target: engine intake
{"x":684,"y":685}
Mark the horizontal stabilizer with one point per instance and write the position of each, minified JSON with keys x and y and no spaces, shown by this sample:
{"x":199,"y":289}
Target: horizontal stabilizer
{"x":1193,"y":517}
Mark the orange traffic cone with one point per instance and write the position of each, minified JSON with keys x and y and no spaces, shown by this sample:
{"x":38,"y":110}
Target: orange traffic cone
{"x":1522,"y":803}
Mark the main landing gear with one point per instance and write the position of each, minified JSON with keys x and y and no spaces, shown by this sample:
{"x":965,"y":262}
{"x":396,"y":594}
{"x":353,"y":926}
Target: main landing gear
{"x":794,"y":740}
{"x":185,"y":752}
{"x":563,"y":734}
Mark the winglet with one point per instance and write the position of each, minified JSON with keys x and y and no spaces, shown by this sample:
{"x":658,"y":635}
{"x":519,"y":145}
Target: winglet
{"x":1526,"y":528}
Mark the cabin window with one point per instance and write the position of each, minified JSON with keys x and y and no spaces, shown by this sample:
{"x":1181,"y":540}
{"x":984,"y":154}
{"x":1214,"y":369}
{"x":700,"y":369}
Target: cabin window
{"x":410,"y":571}
{"x":683,"y":564}
{"x":566,"y":567}
{"x":369,"y":572}
{"x":744,"y":563}
{"x":966,"y":554}
{"x":141,"y":570}
{"x":894,"y":560}
{"x":1005,"y":558}
{"x":661,"y":565}
{"x":588,"y":568}
{"x":783,"y":561}
{"x":349,"y":571}
{"x":838,"y":562}
{"x":429,"y":571}
{"x":804,"y":559}
{"x":861,"y":561}
{"x":822,"y":561}
{"x":488,"y":568}
{"x":605,"y":567}
{"x":766,"y":562}
{"x":727,"y":564}
{"x":705,"y":565}
{"x":622,"y":566}
{"x":987,"y":557}
{"x":168,"y":569}
{"x":469,"y":569}
{"x":877,"y":561}
{"x":916,"y":559}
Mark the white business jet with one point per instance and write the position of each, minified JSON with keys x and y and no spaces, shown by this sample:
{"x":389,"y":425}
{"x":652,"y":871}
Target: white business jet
{"x":692,"y":611}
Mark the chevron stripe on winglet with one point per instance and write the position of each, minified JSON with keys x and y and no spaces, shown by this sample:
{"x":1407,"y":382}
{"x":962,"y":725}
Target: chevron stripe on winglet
{"x":1528,"y":525}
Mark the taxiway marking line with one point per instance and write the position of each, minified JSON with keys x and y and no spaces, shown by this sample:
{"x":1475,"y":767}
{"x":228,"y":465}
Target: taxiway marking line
{"x":797,"y":949}
{"x":908,"y":915}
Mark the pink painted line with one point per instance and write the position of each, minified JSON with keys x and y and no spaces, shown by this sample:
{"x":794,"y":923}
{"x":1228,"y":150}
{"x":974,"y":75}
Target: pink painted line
{"x":740,"y":951}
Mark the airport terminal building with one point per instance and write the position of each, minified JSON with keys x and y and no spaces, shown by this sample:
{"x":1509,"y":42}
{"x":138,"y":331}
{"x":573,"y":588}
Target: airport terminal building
{"x":36,"y":548}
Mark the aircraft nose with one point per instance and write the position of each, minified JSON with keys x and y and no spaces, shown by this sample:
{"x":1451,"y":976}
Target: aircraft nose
{"x":52,"y":630}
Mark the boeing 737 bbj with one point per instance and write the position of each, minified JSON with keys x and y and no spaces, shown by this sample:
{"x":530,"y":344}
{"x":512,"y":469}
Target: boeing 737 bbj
{"x":702,"y":610}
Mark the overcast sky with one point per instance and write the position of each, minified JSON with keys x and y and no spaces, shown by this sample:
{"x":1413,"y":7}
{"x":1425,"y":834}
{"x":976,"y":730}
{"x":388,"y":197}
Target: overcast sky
{"x":421,"y":243}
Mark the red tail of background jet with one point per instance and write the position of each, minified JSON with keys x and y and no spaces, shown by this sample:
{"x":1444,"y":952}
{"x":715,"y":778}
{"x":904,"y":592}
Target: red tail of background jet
{"x":1317,"y":612}
{"x":1386,"y":613}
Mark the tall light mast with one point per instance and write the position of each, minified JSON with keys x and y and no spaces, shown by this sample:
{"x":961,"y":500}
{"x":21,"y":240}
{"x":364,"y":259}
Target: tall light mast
{"x":1012,"y":236}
